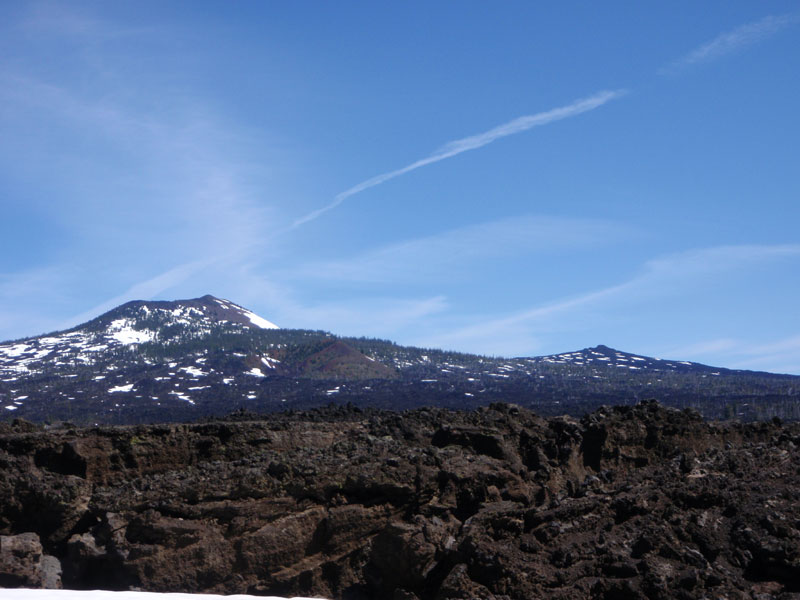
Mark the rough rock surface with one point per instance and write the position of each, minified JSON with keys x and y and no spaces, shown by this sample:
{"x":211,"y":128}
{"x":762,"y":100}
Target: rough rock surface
{"x":633,"y":502}
{"x":22,"y":563}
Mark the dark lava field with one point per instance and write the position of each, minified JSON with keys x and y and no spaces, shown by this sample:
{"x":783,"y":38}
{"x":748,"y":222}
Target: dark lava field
{"x":428,"y":504}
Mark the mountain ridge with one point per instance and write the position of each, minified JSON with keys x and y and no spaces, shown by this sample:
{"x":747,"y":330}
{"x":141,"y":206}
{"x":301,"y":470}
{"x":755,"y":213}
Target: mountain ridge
{"x":147,"y":361}
{"x":640,"y":360}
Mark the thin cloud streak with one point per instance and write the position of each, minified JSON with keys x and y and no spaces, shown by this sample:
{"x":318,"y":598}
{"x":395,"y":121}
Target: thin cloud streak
{"x":190,"y":199}
{"x":780,"y":356}
{"x":26,"y":296}
{"x":453,"y":254}
{"x":703,"y":348}
{"x":144,"y":290}
{"x":716,"y":48}
{"x":373,"y":317}
{"x":661,"y":277}
{"x":472,"y":142}
{"x":731,"y":41}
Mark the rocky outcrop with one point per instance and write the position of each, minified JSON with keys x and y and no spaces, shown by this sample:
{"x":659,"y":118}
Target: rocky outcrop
{"x":632,"y":502}
{"x":23,"y":563}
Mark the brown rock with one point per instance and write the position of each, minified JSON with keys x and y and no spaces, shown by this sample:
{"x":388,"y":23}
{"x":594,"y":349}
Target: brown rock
{"x":630,"y":502}
{"x":23,"y":563}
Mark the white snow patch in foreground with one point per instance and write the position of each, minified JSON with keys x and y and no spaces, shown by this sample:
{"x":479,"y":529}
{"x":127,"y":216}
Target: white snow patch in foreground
{"x":20,"y":594}
{"x":255,"y":372}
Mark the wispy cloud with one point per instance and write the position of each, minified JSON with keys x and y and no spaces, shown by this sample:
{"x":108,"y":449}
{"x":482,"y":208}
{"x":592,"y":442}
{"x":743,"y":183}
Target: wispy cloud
{"x":27,"y":297}
{"x":456,"y":253}
{"x":518,"y":333}
{"x":53,"y":18}
{"x":667,"y":276}
{"x":141,"y":186}
{"x":731,"y":41}
{"x":373,"y":317}
{"x":144,"y":290}
{"x":782,"y":355}
{"x":719,"y":46}
{"x":188,"y":202}
{"x":188,"y":190}
{"x":703,"y":348}
{"x":472,"y":142}
{"x":779,"y":356}
{"x":369,"y":315}
{"x":691,"y":264}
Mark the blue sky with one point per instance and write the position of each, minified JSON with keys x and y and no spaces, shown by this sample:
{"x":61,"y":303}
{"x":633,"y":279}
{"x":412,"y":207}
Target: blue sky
{"x":502,"y":178}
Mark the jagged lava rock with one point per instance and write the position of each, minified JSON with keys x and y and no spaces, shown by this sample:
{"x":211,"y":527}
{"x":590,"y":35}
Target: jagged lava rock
{"x":497,"y":503}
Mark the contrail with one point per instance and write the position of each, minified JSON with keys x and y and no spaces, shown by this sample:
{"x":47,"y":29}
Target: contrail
{"x":472,"y":142}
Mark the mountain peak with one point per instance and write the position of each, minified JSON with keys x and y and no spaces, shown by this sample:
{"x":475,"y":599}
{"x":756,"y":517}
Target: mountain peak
{"x":611,"y":357}
{"x":602,"y":348}
{"x":206,"y":308}
{"x":140,"y":322}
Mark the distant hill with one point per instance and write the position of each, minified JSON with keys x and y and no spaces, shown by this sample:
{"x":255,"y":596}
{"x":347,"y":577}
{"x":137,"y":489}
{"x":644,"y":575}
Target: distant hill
{"x":148,"y":361}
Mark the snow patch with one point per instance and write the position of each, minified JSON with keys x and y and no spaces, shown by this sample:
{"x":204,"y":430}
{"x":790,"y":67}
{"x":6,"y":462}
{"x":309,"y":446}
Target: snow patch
{"x":121,"y":388}
{"x":16,"y":350}
{"x":193,"y":371}
{"x":259,"y":321}
{"x":183,"y":397}
{"x":23,"y":594}
{"x":122,"y":330}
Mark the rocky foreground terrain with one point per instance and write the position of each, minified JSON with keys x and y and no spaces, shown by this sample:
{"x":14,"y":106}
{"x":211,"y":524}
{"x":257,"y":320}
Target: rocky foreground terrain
{"x":632,"y":502}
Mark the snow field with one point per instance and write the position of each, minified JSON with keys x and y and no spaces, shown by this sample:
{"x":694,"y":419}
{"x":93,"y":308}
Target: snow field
{"x":25,"y":594}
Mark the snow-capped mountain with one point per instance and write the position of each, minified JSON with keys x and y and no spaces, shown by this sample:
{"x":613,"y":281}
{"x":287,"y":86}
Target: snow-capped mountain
{"x":163,"y":361}
{"x":603,"y":356}
{"x":157,"y":358}
{"x":128,"y":325}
